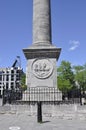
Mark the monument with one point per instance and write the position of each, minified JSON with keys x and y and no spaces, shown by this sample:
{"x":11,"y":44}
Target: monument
{"x":42,"y":55}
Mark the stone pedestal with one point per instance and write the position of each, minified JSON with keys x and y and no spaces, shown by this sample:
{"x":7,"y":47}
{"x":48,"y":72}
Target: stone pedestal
{"x":41,"y":67}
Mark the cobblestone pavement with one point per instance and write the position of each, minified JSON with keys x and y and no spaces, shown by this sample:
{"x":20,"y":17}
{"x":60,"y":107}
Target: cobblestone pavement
{"x":23,"y":121}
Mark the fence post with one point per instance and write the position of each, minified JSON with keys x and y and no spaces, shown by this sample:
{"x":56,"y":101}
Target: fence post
{"x":39,"y":111}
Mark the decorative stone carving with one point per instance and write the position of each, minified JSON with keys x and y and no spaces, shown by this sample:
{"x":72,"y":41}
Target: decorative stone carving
{"x":42,"y":68}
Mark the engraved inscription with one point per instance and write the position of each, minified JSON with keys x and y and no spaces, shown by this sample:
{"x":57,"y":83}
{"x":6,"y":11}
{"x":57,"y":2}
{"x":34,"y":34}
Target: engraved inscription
{"x":42,"y":68}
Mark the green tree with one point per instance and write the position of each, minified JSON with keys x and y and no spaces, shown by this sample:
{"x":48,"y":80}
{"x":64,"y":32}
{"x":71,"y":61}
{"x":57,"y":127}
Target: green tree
{"x":64,"y":85}
{"x":65,"y":76}
{"x":80,"y":76}
{"x":23,"y":81}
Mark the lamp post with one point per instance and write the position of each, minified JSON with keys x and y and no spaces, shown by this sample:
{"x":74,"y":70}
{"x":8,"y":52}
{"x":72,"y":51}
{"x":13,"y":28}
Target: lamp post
{"x":39,"y":112}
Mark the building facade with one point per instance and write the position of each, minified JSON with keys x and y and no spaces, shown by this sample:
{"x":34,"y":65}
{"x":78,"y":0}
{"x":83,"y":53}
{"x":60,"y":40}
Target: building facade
{"x":10,"y":78}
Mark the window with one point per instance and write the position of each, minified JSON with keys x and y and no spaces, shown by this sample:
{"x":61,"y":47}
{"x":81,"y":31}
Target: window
{"x":12,"y":71}
{"x":12,"y":85}
{"x":0,"y":77}
{"x":7,"y":77}
{"x":12,"y":77}
{"x":6,"y":85}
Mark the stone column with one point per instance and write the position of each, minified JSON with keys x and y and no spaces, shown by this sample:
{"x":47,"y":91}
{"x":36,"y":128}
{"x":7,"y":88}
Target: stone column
{"x":41,"y":22}
{"x":42,"y":55}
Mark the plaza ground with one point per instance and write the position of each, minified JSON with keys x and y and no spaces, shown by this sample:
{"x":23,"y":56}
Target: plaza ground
{"x":26,"y":122}
{"x":63,"y":117}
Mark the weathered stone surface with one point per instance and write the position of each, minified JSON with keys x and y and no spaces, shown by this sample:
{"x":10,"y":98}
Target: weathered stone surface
{"x":45,"y":94}
{"x":41,"y":56}
{"x":40,"y":81}
{"x":64,"y":111}
{"x":41,"y":22}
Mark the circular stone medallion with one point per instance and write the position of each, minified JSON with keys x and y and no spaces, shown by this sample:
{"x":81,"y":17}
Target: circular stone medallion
{"x":42,"y":68}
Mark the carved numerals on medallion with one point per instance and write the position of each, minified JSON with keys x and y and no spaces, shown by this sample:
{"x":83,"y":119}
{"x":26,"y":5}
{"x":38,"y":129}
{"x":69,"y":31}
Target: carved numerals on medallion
{"x":42,"y":68}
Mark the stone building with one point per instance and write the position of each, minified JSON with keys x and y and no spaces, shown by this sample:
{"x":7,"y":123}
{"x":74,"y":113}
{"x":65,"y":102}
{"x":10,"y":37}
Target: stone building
{"x":10,"y":78}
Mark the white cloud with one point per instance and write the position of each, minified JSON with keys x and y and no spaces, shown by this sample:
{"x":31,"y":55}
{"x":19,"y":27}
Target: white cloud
{"x":74,"y":44}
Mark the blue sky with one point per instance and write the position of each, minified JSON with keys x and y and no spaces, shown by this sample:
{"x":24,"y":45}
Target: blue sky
{"x":68,"y":30}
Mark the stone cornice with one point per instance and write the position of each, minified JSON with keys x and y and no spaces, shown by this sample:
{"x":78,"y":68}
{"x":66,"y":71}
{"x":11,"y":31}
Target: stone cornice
{"x":45,"y":53}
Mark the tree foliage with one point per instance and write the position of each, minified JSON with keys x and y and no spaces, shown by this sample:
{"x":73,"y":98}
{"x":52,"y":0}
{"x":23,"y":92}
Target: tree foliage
{"x":65,"y":76}
{"x":70,"y":78}
{"x":80,"y":76}
{"x":23,"y":81}
{"x":64,"y":85}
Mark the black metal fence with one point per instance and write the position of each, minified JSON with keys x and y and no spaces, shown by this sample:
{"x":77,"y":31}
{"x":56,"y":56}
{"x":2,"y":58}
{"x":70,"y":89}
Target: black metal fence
{"x":10,"y":96}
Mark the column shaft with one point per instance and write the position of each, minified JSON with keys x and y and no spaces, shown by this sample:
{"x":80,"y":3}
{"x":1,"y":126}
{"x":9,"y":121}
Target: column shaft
{"x":41,"y":22}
